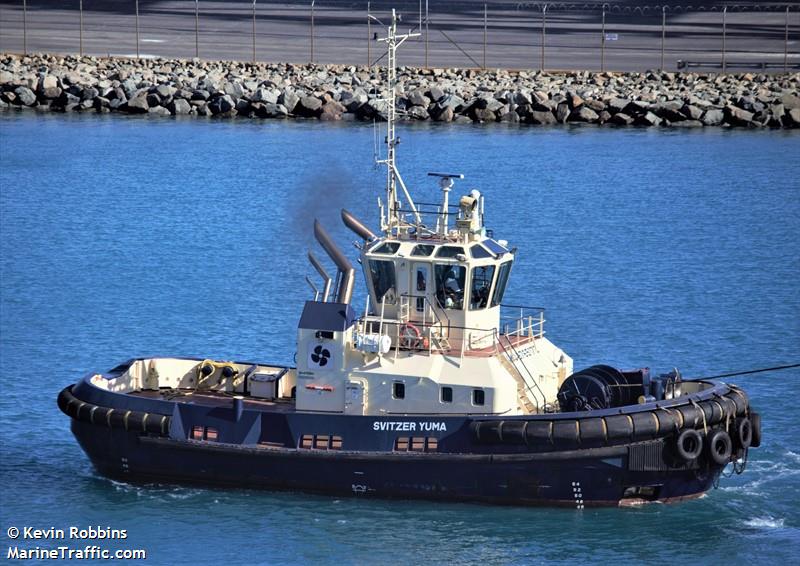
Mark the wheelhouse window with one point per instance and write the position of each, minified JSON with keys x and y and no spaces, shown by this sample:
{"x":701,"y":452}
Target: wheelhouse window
{"x":383,"y":280}
{"x":422,"y":250}
{"x":479,"y":252}
{"x":478,"y":397}
{"x":447,"y":395}
{"x":481,"y":284}
{"x":450,"y":285}
{"x":450,"y":251}
{"x":502,"y":280}
{"x":399,"y":390}
{"x":389,"y":248}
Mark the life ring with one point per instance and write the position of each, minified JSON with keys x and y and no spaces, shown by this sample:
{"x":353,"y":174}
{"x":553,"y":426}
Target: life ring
{"x":410,"y":336}
{"x":744,"y":432}
{"x":719,"y":446}
{"x":689,"y":444}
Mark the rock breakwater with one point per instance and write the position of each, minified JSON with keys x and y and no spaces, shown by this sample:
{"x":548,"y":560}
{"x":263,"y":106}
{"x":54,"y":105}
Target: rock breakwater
{"x":161,"y":87}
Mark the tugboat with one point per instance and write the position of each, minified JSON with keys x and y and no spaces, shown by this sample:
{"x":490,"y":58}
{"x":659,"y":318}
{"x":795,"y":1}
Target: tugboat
{"x":436,"y":390}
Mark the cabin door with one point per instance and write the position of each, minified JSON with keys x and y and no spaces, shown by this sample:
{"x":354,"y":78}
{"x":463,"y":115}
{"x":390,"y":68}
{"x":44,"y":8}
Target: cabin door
{"x":355,"y":397}
{"x":422,"y":293}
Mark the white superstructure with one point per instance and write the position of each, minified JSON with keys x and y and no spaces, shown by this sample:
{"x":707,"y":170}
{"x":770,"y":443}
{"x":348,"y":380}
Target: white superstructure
{"x":434,"y":336}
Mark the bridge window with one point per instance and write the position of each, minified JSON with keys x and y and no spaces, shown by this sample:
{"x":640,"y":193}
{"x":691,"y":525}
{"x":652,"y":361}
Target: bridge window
{"x":447,"y":394}
{"x":481,"y":284}
{"x":479,"y":252}
{"x":450,"y":251}
{"x":399,"y":390}
{"x":422,"y":250}
{"x":383,"y":280}
{"x":450,"y":285}
{"x":500,"y":286}
{"x":388,"y":248}
{"x":478,"y":397}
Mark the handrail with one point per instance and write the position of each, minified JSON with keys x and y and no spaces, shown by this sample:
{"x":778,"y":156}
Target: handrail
{"x":513,"y":349}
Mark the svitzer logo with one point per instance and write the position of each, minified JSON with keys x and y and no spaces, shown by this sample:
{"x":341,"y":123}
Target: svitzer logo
{"x":320,"y":356}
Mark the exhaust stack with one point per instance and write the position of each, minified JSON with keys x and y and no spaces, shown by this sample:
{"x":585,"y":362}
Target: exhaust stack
{"x":357,"y":226}
{"x":347,"y":274}
{"x":324,"y":274}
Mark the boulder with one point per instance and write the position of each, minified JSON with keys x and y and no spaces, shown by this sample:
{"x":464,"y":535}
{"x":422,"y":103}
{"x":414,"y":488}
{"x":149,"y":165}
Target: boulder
{"x":792,"y":118}
{"x":737,"y":117}
{"x":165,"y":91}
{"x":47,"y":82}
{"x":221,"y":105}
{"x":790,"y":101}
{"x":692,"y":112}
{"x":418,"y":113}
{"x":540,"y":117}
{"x":25,"y":96}
{"x":200,"y":94}
{"x":233,"y":89}
{"x":289,"y":99}
{"x":332,"y":111}
{"x":713,"y":117}
{"x":354,"y":100}
{"x":621,"y":119}
{"x":309,"y":106}
{"x":442,"y":113}
{"x":583,"y":114}
{"x":417,"y":98}
{"x":562,"y":112}
{"x":648,"y":119}
{"x":435,"y":93}
{"x":265,"y":95}
{"x":158,"y":111}
{"x":483,"y":115}
{"x":179,"y":107}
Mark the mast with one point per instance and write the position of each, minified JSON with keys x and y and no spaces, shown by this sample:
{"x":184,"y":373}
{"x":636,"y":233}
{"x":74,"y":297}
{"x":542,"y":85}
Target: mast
{"x":394,"y":219}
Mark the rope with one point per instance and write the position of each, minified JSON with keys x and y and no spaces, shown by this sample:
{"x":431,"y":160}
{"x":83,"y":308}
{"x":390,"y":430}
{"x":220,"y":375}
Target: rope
{"x":702,"y":412}
{"x":761,"y":370}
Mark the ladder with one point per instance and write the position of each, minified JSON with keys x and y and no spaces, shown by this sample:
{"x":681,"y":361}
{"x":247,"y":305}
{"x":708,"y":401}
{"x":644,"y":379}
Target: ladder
{"x":518,"y":370}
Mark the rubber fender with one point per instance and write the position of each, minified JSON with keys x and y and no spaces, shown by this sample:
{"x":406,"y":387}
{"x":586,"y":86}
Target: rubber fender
{"x":136,"y":421}
{"x":688,"y":444}
{"x":743,"y":432}
{"x":155,"y":423}
{"x":592,"y":432}
{"x":565,"y":434}
{"x":539,"y":433}
{"x":713,"y":411}
{"x":728,"y":406}
{"x":491,"y":431}
{"x":645,"y":425}
{"x":117,"y":419}
{"x":63,"y":399}
{"x":755,"y":421}
{"x":740,"y":399}
{"x":513,"y":432}
{"x":692,"y":417}
{"x":667,"y":421}
{"x":620,"y":427}
{"x":719,"y":446}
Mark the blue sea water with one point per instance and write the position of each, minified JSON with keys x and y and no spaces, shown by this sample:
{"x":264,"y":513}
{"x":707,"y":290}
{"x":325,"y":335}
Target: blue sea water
{"x":124,"y":237}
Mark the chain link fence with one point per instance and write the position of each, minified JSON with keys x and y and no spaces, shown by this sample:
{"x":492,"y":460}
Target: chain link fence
{"x":626,"y":36}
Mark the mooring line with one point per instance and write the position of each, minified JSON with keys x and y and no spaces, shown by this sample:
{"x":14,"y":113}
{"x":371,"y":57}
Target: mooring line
{"x":744,"y":372}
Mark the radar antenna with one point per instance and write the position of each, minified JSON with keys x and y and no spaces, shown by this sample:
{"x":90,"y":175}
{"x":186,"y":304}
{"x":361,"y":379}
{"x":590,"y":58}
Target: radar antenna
{"x":393,"y":221}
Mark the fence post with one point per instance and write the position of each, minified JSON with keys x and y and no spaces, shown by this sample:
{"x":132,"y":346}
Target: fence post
{"x":786,"y":44}
{"x":724,"y":32}
{"x":312,"y":30}
{"x":485,"y":25}
{"x":254,"y":31}
{"x":663,"y":33}
{"x":25,"y":26}
{"x":603,"y":41}
{"x":369,"y":37}
{"x":80,"y":25}
{"x":426,"y":34}
{"x":544,"y":32}
{"x":197,"y":29}
{"x":137,"y":29}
